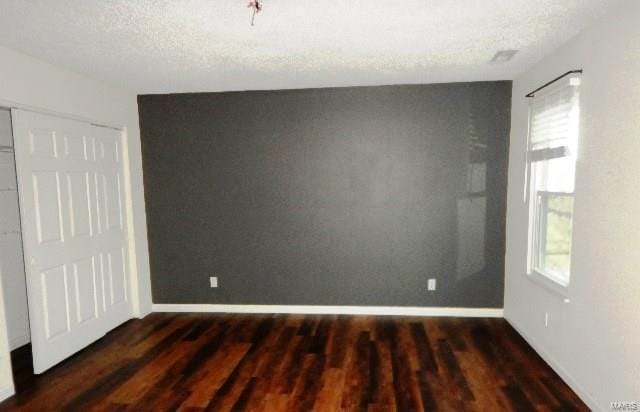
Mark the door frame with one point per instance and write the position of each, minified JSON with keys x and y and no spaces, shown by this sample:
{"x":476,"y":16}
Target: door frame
{"x":6,"y":379}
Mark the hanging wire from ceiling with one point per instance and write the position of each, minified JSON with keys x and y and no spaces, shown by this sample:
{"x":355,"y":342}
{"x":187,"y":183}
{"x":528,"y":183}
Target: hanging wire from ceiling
{"x":256,"y":5}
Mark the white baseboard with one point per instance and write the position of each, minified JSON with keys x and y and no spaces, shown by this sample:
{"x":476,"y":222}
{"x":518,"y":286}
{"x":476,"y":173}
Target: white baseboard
{"x":332,"y":310}
{"x":7,"y":393}
{"x":555,"y":365}
{"x":19,"y":341}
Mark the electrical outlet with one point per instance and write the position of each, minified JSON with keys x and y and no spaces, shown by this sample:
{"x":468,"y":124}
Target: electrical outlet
{"x":213,"y":281}
{"x":546,"y":319}
{"x":431,"y":284}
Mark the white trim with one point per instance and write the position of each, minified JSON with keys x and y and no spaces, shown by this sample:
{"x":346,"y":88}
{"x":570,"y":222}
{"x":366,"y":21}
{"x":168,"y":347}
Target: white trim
{"x":18,"y":341}
{"x":8,"y":104}
{"x":549,"y":285}
{"x":332,"y":310}
{"x":6,"y":393}
{"x":555,"y":365}
{"x":134,"y":276}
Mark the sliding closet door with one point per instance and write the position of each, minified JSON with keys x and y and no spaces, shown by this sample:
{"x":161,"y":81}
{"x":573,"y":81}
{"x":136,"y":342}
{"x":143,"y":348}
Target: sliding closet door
{"x":75,"y":245}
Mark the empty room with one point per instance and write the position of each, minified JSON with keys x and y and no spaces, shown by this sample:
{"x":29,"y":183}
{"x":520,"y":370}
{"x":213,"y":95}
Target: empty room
{"x":285,"y":205}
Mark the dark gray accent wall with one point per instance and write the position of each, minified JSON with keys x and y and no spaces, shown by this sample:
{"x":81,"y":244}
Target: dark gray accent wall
{"x":343,"y":196}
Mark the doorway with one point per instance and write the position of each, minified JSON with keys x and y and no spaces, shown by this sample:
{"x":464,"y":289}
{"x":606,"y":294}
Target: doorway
{"x":11,"y":254}
{"x":65,"y":270}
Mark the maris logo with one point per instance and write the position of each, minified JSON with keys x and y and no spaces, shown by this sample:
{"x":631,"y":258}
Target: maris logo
{"x":624,"y":406}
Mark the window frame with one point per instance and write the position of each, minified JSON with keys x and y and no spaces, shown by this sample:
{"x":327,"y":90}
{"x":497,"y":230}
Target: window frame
{"x":540,"y":234}
{"x":548,"y":280}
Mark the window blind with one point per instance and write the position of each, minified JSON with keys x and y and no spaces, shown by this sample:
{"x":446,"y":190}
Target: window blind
{"x":553,"y":117}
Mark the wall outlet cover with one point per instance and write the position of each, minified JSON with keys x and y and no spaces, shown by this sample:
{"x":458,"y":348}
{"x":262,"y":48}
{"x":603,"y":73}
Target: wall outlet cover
{"x":431,"y":284}
{"x":213,"y":281}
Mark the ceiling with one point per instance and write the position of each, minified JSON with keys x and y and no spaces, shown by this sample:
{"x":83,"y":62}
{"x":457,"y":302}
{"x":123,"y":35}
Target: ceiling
{"x":160,"y":46}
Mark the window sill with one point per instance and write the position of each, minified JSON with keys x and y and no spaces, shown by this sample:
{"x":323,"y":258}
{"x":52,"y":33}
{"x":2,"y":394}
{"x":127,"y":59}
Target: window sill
{"x":555,"y":288}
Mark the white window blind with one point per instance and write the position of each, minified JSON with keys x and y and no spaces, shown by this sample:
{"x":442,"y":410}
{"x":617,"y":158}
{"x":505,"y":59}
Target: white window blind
{"x":553,"y":125}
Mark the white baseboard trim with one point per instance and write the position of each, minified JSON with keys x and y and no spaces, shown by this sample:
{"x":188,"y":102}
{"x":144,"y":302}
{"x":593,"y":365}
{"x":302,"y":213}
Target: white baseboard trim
{"x":555,"y":365}
{"x":7,"y":393}
{"x":19,"y":341}
{"x":332,"y":310}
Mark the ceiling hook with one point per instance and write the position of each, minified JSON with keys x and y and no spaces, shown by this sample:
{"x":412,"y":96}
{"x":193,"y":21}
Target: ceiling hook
{"x":256,"y":5}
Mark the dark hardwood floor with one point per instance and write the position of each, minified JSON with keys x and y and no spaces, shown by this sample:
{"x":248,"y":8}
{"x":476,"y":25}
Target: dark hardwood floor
{"x":194,"y":362}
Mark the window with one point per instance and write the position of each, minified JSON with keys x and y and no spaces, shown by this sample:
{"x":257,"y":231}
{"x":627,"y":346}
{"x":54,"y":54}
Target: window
{"x":551,"y":156}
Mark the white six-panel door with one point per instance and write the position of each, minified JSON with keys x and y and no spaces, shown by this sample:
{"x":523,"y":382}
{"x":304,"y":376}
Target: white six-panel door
{"x":75,"y":239}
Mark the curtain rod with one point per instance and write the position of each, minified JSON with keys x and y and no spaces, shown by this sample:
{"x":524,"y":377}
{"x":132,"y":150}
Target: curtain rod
{"x":533,"y":93}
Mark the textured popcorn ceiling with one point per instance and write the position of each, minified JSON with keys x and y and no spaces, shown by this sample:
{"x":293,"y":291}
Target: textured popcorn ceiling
{"x":209,"y":45}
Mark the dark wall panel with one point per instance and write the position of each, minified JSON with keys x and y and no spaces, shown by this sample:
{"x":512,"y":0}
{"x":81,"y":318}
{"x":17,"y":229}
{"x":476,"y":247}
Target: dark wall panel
{"x":345,"y":196}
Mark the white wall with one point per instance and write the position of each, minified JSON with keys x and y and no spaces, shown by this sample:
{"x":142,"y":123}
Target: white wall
{"x":593,"y":341}
{"x":11,"y":257}
{"x":26,"y":81}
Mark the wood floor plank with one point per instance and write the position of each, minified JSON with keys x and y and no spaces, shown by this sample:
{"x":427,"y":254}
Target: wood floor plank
{"x":198,"y":362}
